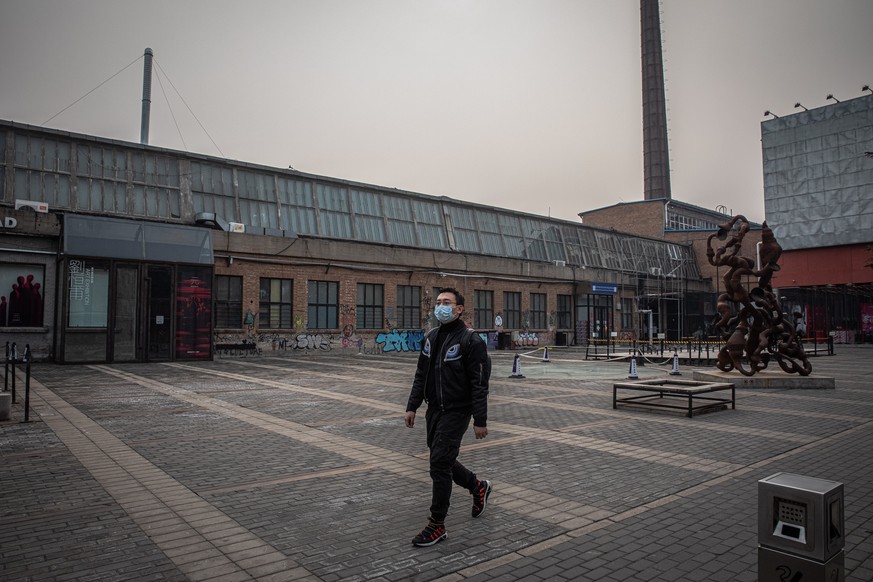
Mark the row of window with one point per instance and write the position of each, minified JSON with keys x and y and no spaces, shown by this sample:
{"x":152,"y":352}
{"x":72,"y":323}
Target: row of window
{"x":275,"y":307}
{"x":676,"y":221}
{"x":126,"y":181}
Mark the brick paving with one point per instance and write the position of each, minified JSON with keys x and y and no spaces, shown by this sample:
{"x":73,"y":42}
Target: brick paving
{"x":298,"y":467}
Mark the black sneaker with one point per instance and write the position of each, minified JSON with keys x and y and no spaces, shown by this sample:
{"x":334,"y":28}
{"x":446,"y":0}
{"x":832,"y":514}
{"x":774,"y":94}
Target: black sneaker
{"x":480,"y":497}
{"x":431,"y":534}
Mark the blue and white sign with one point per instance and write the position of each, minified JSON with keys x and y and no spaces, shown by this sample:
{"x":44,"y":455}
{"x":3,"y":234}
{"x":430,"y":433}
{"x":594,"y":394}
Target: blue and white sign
{"x":604,"y":288}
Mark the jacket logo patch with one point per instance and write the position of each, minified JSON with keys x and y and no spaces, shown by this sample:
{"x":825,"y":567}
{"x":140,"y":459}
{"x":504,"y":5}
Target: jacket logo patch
{"x":426,"y":349}
{"x":454,"y":353}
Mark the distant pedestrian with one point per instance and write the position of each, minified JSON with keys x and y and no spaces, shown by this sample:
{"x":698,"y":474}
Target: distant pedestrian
{"x":452,"y":377}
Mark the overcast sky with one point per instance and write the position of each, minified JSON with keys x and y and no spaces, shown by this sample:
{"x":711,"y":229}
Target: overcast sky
{"x":531,"y":105}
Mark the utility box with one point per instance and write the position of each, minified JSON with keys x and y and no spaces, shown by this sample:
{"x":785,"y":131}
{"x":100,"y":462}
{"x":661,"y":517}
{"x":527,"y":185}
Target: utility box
{"x":801,"y":531}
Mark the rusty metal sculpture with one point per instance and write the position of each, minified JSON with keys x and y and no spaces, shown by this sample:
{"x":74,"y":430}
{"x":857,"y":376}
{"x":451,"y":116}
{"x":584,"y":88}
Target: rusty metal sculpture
{"x":751,"y":322}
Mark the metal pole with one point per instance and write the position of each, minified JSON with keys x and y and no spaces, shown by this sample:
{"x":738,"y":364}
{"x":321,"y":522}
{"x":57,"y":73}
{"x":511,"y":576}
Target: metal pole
{"x":14,"y":354}
{"x":6,"y":370}
{"x":27,"y":383}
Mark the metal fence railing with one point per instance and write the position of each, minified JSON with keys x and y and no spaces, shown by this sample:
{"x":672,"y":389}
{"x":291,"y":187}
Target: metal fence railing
{"x":691,"y":350}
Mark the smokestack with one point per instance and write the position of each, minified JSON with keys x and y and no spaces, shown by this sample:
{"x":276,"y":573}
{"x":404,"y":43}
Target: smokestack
{"x":146,"y":96}
{"x":656,"y":155}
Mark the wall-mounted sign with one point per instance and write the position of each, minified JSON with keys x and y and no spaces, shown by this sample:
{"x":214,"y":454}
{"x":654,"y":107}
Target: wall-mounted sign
{"x":604,"y":288}
{"x":8,"y":222}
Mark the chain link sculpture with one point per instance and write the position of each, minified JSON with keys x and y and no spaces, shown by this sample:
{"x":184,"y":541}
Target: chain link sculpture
{"x":751,"y":322}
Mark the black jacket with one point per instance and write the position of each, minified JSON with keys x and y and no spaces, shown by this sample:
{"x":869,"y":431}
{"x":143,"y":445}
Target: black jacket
{"x":461,"y":373}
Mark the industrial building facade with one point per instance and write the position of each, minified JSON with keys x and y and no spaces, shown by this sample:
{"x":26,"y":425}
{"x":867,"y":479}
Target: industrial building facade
{"x":818,"y":196}
{"x":114,"y":251}
{"x":677,"y":310}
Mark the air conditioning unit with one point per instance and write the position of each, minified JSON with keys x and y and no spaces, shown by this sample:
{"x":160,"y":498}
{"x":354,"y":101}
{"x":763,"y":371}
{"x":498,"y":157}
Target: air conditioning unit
{"x":36,"y":205}
{"x":560,"y":263}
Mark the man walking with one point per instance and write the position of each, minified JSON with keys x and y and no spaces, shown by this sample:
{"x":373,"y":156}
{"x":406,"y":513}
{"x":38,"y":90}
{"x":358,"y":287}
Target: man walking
{"x":452,"y":376}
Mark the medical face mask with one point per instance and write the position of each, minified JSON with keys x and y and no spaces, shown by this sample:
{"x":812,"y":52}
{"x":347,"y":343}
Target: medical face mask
{"x":443,"y":313}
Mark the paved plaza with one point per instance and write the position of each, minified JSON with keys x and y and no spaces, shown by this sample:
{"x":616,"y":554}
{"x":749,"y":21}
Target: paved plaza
{"x":298,"y":466}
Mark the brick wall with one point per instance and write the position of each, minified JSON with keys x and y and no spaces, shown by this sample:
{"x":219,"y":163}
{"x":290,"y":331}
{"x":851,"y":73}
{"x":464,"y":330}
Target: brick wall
{"x":389,"y":337}
{"x":645,"y":218}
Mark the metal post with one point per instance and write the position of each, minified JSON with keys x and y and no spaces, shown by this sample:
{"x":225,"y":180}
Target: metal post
{"x":814,"y":328}
{"x":13,"y":357}
{"x":6,"y":370}
{"x":27,"y":383}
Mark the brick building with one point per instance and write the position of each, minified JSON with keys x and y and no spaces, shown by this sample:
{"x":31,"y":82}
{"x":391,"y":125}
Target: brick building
{"x":688,"y":311}
{"x":129,"y":252}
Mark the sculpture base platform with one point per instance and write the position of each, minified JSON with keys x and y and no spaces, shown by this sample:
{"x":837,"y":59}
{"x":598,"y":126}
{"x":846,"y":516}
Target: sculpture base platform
{"x":766,"y":379}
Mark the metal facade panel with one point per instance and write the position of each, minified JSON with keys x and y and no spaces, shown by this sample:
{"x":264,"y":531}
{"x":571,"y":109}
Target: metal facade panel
{"x":818,"y":182}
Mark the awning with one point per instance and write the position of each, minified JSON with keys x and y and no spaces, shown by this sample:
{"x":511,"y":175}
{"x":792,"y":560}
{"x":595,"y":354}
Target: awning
{"x":97,"y":236}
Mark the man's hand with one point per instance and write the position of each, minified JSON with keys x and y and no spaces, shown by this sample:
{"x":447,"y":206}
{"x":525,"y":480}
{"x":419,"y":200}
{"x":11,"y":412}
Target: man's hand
{"x":410,"y":418}
{"x":481,"y":431}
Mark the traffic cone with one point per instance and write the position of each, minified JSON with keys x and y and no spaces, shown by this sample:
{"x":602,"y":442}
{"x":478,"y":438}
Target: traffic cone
{"x":632,"y":373}
{"x":516,"y":367}
{"x":546,"y":359}
{"x":675,"y":371}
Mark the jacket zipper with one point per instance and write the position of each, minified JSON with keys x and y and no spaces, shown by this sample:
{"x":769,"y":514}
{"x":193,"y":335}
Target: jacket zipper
{"x":439,"y":373}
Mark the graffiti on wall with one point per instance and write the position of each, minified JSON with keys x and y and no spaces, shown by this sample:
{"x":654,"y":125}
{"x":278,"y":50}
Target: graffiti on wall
{"x":312,"y":341}
{"x":390,"y":317}
{"x":401,"y":341}
{"x":274,"y":340}
{"x":523,"y":339}
{"x":347,"y":315}
{"x":426,"y":310}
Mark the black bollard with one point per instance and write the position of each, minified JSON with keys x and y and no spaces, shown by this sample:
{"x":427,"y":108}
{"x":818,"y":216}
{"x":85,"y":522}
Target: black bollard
{"x":6,"y":370}
{"x":13,"y":356}
{"x":27,"y":383}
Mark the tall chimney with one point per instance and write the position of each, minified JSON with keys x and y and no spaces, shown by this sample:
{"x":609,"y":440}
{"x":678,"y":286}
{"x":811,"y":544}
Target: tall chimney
{"x":656,"y":155}
{"x":146,"y":96}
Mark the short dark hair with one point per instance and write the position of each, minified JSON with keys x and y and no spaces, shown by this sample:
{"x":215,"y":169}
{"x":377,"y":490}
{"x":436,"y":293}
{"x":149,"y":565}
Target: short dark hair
{"x":459,"y":299}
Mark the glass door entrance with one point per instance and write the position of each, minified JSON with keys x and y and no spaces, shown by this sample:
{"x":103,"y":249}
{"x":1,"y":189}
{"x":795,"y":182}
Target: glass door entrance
{"x":136,"y":312}
{"x":159,"y":290}
{"x":126,"y":322}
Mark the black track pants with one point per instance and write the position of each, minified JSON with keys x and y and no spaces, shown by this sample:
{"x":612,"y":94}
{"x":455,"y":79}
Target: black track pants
{"x":445,"y":430}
